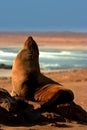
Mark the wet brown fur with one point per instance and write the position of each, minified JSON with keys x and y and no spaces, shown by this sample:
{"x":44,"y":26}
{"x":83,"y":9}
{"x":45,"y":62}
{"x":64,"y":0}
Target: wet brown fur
{"x":30,"y":83}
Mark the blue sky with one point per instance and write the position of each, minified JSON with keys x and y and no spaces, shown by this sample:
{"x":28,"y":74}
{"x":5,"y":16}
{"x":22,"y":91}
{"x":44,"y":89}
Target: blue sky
{"x":43,"y":15}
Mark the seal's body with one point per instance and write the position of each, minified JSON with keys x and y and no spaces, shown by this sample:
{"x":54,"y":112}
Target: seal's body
{"x":25,"y":69}
{"x":29,"y":83}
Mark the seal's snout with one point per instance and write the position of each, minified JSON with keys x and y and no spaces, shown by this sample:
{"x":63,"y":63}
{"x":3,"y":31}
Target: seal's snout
{"x":31,"y":45}
{"x":30,"y":39}
{"x":29,"y":42}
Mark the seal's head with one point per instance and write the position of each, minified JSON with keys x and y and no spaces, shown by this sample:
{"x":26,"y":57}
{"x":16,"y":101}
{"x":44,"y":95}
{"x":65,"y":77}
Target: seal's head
{"x":31,"y":46}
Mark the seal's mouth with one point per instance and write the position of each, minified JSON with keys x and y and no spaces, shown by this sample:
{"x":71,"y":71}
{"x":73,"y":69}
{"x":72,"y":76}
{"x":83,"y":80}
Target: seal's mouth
{"x":31,"y":46}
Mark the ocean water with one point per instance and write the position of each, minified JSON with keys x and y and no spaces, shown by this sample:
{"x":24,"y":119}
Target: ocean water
{"x":50,"y":59}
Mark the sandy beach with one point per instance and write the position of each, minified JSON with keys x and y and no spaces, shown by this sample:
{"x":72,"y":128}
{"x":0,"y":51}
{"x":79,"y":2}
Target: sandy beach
{"x":46,"y":40}
{"x":76,"y":79}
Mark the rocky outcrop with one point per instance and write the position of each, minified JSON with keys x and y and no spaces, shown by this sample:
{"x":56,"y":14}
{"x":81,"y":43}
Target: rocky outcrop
{"x":3,"y":66}
{"x":14,"y":111}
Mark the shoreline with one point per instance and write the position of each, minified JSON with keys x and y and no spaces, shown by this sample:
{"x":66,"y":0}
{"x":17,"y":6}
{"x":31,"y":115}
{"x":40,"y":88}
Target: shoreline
{"x":6,"y":72}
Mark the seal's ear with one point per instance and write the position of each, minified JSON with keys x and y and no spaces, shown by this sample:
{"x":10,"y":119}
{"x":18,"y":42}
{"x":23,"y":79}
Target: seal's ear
{"x":31,"y":45}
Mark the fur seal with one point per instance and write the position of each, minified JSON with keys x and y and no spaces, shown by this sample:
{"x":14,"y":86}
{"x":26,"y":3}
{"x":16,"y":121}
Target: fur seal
{"x":29,"y":83}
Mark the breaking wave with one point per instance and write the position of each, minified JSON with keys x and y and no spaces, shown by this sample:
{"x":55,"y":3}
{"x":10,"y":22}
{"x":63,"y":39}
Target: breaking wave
{"x":50,"y":58}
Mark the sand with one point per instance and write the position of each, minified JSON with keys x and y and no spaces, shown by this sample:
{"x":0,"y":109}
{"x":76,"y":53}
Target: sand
{"x":46,"y":40}
{"x":76,"y":80}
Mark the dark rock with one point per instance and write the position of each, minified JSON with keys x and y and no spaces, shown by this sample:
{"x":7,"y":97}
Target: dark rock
{"x":6,"y":101}
{"x":3,"y":66}
{"x":14,"y":110}
{"x":52,"y":117}
{"x":72,"y":111}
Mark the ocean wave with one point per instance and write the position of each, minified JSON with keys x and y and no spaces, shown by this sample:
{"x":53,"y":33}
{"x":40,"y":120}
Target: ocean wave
{"x":62,"y":53}
{"x":47,"y":54}
{"x":9,"y":54}
{"x":49,"y":66}
{"x":50,"y":59}
{"x":42,"y":54}
{"x":3,"y":60}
